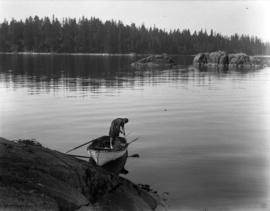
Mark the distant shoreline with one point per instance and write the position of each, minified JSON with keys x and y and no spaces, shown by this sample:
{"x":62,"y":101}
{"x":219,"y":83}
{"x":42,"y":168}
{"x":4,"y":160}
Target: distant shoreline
{"x":102,"y":54}
{"x":92,"y":54}
{"x":84,"y":54}
{"x":78,"y":54}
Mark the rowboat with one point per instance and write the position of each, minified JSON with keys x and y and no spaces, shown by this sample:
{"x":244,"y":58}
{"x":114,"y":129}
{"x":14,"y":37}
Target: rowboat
{"x":99,"y":149}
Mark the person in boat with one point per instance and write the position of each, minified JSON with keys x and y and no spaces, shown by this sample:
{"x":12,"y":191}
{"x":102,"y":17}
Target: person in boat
{"x":117,"y":127}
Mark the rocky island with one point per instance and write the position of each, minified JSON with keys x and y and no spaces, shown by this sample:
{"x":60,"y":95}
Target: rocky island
{"x":230,"y":61}
{"x":216,"y":59}
{"x":33,"y":177}
{"x":154,"y":61}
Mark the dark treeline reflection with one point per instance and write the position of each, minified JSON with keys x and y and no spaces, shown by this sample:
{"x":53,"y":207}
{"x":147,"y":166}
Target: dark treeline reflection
{"x":47,"y":73}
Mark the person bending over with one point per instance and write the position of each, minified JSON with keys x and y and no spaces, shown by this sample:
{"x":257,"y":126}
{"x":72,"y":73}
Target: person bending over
{"x":117,"y":127}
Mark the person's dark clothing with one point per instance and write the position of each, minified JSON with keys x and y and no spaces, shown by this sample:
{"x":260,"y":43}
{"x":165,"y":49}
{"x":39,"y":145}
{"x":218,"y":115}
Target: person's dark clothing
{"x":116,"y":126}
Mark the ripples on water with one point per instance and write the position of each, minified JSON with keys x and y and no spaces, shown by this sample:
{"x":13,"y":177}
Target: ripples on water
{"x":204,"y":135}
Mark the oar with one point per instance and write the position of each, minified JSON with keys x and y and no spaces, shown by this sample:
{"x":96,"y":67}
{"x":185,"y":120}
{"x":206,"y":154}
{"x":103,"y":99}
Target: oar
{"x":134,"y":156}
{"x":79,"y":146}
{"x":92,"y":140}
{"x":133,"y":141}
{"x":79,"y":156}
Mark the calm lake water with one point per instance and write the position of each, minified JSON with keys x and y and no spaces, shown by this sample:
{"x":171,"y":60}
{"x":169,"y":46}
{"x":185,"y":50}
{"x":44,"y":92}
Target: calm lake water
{"x":203,"y":135}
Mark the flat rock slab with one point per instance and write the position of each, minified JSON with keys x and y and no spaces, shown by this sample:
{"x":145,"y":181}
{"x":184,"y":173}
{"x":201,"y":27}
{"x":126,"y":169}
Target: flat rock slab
{"x":33,"y":177}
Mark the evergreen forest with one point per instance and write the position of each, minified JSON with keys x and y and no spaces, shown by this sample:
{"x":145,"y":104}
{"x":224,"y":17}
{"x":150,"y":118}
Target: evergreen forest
{"x":91,"y":35}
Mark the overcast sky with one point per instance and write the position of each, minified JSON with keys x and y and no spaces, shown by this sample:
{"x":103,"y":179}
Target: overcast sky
{"x":226,"y":17}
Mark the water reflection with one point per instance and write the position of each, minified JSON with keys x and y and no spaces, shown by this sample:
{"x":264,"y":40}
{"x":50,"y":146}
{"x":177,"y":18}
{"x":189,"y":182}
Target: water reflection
{"x":203,"y":133}
{"x":48,"y":73}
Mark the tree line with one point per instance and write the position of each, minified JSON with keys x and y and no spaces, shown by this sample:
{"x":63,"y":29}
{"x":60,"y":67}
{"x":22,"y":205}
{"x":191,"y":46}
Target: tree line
{"x":84,"y":35}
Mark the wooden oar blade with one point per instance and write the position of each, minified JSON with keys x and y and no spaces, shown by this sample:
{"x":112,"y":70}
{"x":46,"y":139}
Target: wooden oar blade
{"x":134,"y":156}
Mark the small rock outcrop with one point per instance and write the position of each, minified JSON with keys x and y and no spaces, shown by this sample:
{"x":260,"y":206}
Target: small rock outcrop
{"x":33,"y":177}
{"x":201,"y":58}
{"x":239,"y":59}
{"x":154,"y":61}
{"x":218,"y":57}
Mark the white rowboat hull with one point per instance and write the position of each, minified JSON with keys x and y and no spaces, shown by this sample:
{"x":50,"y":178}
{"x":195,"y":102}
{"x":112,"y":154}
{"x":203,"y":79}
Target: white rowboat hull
{"x":101,"y":157}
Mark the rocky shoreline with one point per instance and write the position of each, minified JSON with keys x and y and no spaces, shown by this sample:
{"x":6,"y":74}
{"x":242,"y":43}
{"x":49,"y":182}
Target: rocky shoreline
{"x":33,"y":177}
